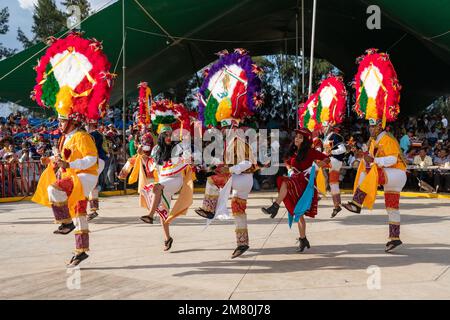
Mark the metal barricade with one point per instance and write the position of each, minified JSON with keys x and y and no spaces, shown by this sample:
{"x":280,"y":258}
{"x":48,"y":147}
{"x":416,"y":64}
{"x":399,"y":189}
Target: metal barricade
{"x":19,"y":178}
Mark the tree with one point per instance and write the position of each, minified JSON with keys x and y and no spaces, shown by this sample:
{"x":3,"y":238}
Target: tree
{"x":24,"y":39}
{"x":48,"y":20}
{"x":4,"y":27}
{"x":84,"y":5}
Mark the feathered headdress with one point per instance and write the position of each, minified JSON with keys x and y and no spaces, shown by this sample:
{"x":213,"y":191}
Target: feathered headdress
{"x":307,"y":113}
{"x":377,"y":88}
{"x":73,"y":76}
{"x":167,"y":114}
{"x":331,"y":101}
{"x":231,"y":89}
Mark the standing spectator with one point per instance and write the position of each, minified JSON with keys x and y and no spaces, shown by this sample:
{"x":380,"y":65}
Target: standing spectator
{"x":110,"y":115}
{"x":134,"y":141}
{"x":6,"y":144}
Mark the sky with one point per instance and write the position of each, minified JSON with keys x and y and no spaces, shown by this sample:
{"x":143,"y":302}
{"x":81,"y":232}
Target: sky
{"x":20,"y":15}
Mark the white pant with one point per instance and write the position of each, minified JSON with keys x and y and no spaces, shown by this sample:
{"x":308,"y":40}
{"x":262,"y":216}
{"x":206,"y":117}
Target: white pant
{"x":171,"y":185}
{"x":88,"y":181}
{"x":336,"y":165}
{"x":242,"y":185}
{"x":395,"y":179}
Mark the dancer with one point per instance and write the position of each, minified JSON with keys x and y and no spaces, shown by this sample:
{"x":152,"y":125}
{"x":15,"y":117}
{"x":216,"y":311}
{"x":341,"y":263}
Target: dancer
{"x":334,"y":145}
{"x":73,"y":78}
{"x":237,"y":174}
{"x":172,"y":167}
{"x":143,"y":173}
{"x":384,"y":165}
{"x":69,"y":179}
{"x":92,"y":128}
{"x":299,"y":160}
{"x":229,"y":95}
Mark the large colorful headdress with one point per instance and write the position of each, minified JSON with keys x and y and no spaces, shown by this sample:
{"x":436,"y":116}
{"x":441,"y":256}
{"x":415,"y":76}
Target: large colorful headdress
{"x":166,"y":114}
{"x":331,"y":102}
{"x":377,"y":88}
{"x":73,"y":76}
{"x":145,"y":96}
{"x":231,"y":90}
{"x":307,"y":113}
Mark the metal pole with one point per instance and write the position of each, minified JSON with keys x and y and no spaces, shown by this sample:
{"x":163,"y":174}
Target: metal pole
{"x":311,"y":60}
{"x":296,"y":67}
{"x":303,"y":50}
{"x":124,"y":144}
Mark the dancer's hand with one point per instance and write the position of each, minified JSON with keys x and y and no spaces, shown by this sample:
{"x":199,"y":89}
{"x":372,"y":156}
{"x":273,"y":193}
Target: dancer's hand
{"x":222,"y":170}
{"x":324,"y":163}
{"x":63,"y":164}
{"x":368,"y":159}
{"x":140,"y":150}
{"x":45,"y":160}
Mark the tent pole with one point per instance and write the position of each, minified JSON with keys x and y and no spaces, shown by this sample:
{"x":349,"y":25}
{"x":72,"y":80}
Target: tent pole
{"x":296,"y":68}
{"x":311,"y":60}
{"x":124,"y":93}
{"x":303,"y":50}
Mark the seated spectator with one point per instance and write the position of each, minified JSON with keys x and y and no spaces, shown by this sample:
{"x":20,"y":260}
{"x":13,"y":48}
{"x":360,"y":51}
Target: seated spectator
{"x":420,"y":134}
{"x":23,"y":122}
{"x":432,"y":136}
{"x":405,"y":141}
{"x":411,"y":154}
{"x":423,"y":161}
{"x":442,"y":177}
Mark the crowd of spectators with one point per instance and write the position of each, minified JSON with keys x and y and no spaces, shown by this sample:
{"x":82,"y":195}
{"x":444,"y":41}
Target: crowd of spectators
{"x":24,"y":140}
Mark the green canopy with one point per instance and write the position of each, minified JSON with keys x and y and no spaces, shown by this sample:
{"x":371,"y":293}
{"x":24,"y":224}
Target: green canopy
{"x":167,"y":41}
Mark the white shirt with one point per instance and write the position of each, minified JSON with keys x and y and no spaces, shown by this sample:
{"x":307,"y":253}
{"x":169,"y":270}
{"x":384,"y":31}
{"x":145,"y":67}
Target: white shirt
{"x":444,"y":122}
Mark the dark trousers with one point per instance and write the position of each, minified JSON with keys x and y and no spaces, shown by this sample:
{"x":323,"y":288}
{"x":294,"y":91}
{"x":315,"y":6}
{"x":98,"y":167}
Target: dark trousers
{"x":442,"y":179}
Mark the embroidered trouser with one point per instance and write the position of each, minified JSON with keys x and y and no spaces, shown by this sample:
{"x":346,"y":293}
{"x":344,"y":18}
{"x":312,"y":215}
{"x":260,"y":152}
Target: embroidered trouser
{"x":58,"y":194}
{"x":241,"y":185}
{"x":169,"y":186}
{"x":93,"y":196}
{"x":213,"y":185}
{"x":393,"y":181}
{"x":334,"y":173}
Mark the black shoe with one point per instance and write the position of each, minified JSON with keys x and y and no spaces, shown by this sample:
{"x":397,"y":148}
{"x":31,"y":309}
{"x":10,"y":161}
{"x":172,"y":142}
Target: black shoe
{"x":304,"y":243}
{"x":391,"y":245}
{"x":147,"y":219}
{"x":205,"y":214}
{"x":352,"y":207}
{"x":239,"y":251}
{"x":168,"y":244}
{"x":92,"y":216}
{"x":65,"y":228}
{"x":272,"y":210}
{"x":76,"y":259}
{"x":336,"y":211}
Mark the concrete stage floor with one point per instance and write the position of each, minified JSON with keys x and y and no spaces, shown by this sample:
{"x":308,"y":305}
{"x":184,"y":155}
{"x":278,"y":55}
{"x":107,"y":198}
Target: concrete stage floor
{"x":346,"y":260}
